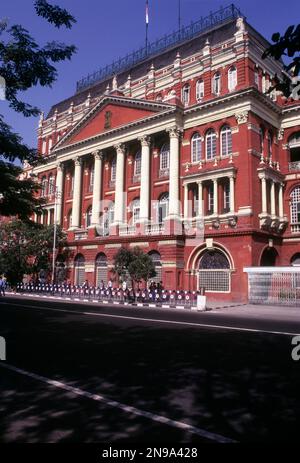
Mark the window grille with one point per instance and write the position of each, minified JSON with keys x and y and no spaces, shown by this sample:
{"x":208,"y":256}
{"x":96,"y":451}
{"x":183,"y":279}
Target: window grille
{"x":226,"y":141}
{"x":199,"y":90}
{"x":295,"y":205}
{"x":165,"y":157}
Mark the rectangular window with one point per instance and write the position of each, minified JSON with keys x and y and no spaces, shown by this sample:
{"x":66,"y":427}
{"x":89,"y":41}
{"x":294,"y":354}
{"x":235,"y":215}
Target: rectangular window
{"x":91,"y":184}
{"x":226,"y":197}
{"x":210,"y":205}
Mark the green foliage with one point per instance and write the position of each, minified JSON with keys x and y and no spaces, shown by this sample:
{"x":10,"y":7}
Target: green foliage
{"x":26,"y":247}
{"x":136,"y":263}
{"x":286,"y":45}
{"x":24,"y":64}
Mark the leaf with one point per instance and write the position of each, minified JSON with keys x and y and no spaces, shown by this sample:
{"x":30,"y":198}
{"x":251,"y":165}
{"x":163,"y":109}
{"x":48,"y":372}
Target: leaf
{"x":276,"y":37}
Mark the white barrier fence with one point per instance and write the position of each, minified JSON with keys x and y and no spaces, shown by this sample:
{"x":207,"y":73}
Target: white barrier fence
{"x":274,"y":285}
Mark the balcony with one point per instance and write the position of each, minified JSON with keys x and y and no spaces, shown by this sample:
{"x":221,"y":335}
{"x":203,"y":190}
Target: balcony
{"x":155,"y":229}
{"x":294,"y":166}
{"x":295,"y":227}
{"x":136,"y":178}
{"x":163,"y":173}
{"x":127,"y":230}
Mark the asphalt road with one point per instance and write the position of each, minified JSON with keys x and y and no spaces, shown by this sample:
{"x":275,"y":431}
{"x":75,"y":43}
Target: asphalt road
{"x":80,"y":373}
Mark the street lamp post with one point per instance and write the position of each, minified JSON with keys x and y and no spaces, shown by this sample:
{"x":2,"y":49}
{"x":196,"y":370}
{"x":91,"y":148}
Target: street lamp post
{"x":56,"y":196}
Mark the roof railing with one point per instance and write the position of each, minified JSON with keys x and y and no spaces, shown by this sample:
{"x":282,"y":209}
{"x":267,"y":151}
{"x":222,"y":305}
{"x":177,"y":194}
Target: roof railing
{"x":160,"y":45}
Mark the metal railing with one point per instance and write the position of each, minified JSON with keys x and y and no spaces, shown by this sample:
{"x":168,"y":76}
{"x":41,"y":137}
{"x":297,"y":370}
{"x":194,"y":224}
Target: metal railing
{"x":172,"y":298}
{"x":274,"y":285}
{"x":160,"y":45}
{"x":295,"y":227}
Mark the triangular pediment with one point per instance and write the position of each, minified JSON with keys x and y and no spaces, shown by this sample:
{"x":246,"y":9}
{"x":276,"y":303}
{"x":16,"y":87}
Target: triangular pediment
{"x":110,"y":114}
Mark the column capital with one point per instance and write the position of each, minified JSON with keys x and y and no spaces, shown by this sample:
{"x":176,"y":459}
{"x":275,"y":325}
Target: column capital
{"x":174,"y":132}
{"x":60,"y":166}
{"x":78,"y":161}
{"x":98,"y":154}
{"x":145,"y":140}
{"x":120,"y":148}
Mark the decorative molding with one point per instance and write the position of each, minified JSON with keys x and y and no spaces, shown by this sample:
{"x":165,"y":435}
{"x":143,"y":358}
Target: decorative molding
{"x":242,"y":117}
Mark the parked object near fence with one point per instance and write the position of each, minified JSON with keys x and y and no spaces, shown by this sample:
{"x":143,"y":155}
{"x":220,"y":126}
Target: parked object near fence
{"x":274,"y":285}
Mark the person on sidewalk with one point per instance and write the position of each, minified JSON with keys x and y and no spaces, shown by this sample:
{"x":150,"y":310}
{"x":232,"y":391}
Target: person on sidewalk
{"x":2,"y":286}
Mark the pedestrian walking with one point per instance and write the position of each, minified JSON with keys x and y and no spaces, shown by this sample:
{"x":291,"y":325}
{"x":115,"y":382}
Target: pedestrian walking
{"x":2,"y":286}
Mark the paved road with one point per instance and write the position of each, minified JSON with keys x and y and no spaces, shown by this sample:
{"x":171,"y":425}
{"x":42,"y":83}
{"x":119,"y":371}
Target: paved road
{"x":82,"y":373}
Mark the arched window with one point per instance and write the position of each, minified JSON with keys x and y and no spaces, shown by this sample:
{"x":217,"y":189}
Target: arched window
{"x":165,"y":159}
{"x":44,"y":186}
{"x":88,"y":217}
{"x":50,"y":144}
{"x":44,"y":146}
{"x":51,"y":188}
{"x":163,"y":207}
{"x":135,"y":210}
{"x":270,"y":141}
{"x":137,"y":164}
{"x":101,"y":269}
{"x":226,"y":141}
{"x":199,"y":90}
{"x":232,"y":78}
{"x":294,"y":146}
{"x":214,"y":271}
{"x":113,"y":169}
{"x":211,"y":144}
{"x":261,"y":139}
{"x":295,"y":206}
{"x":196,"y":148}
{"x":295,"y":260}
{"x":186,"y":94}
{"x":158,"y":97}
{"x":156,"y":259}
{"x":79,"y":270}
{"x":216,"y":83}
{"x":69,"y":219}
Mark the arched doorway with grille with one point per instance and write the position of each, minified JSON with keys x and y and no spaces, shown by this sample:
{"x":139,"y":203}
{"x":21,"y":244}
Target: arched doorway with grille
{"x":100,"y":269}
{"x":214,"y":271}
{"x":79,"y":270}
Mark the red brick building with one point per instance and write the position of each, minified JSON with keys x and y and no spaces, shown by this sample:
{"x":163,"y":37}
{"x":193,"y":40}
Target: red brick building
{"x":181,"y":152}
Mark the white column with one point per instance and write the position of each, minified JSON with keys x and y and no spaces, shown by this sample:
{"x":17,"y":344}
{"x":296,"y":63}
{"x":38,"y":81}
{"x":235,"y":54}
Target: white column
{"x":273,"y":209}
{"x":200,"y":199}
{"x":280,"y":200}
{"x":264,"y":195}
{"x":59,"y":192}
{"x":186,"y":201}
{"x":98,"y":158}
{"x":49,"y":217}
{"x":145,"y":179}
{"x":231,"y":193}
{"x":215,"y":196}
{"x":76,"y":208}
{"x":119,"y":188}
{"x":174,"y":204}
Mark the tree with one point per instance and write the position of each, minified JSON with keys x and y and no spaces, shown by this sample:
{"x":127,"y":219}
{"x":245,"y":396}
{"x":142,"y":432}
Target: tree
{"x":135,"y":263}
{"x":286,"y":45}
{"x":26,"y":248}
{"x":23,"y":65}
{"x":141,"y":268}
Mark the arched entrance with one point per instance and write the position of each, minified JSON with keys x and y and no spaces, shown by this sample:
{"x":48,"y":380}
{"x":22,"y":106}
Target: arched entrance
{"x":101,"y":269}
{"x":269,"y":257}
{"x":214,"y":271}
{"x":295,"y":260}
{"x":60,"y":270}
{"x":156,"y":259}
{"x":79,"y":270}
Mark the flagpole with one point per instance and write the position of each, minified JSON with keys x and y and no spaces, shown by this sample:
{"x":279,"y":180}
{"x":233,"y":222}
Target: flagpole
{"x":179,"y":15}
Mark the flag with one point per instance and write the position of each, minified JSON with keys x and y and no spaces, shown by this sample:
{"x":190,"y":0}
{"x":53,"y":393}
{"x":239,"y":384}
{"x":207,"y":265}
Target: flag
{"x":147,"y":12}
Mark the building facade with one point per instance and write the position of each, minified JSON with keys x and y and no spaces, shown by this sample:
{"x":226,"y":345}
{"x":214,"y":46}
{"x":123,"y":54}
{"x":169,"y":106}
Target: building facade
{"x":184,"y":155}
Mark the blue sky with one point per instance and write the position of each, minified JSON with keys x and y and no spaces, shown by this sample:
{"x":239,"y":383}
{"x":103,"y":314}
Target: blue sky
{"x":106,"y":30}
